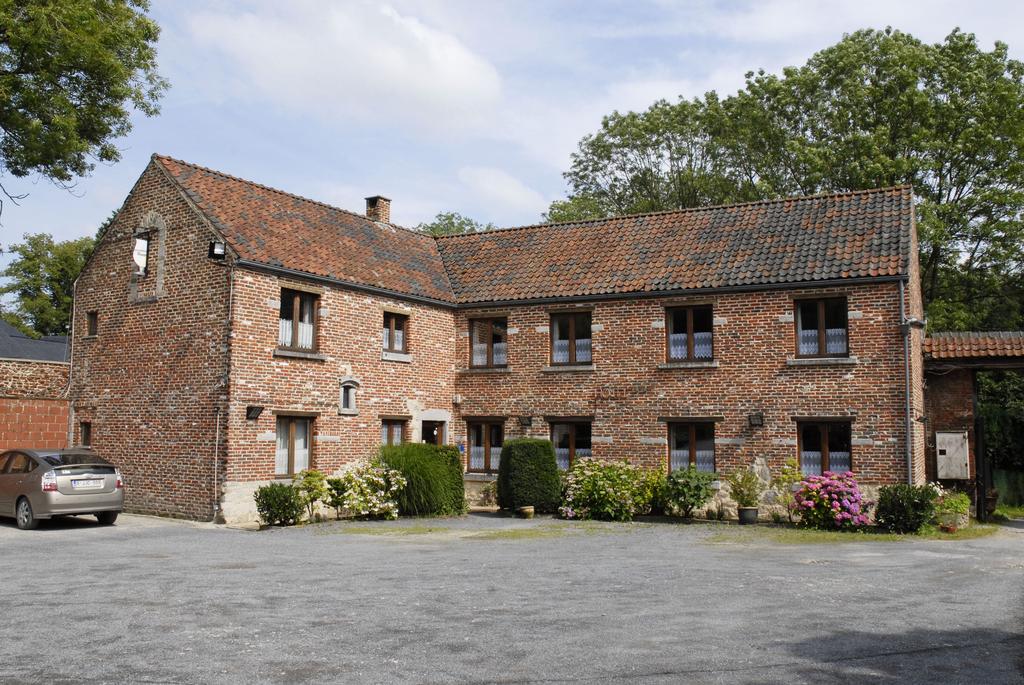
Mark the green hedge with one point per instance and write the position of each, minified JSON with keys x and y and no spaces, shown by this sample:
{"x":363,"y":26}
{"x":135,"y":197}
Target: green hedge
{"x":904,"y":508}
{"x":278,"y":504}
{"x":433,"y":477}
{"x":528,"y":475}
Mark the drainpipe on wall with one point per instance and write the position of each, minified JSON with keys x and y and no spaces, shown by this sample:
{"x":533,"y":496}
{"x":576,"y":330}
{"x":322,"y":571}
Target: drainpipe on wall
{"x":907,"y":324}
{"x":216,"y":458}
{"x":71,"y":366}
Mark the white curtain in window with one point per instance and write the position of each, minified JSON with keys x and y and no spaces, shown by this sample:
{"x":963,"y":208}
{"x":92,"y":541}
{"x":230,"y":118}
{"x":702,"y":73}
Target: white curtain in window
{"x":301,"y":445}
{"x":399,"y":339}
{"x":281,"y":459}
{"x":500,"y":353}
{"x":701,"y":346}
{"x":562,"y":457}
{"x":306,"y":323}
{"x":680,"y":459}
{"x":809,"y":342}
{"x":677,"y":345}
{"x":495,"y":457}
{"x":706,"y":460}
{"x":839,"y":461}
{"x":284,"y":335}
{"x":810,"y":463}
{"x":476,"y":457}
{"x":560,"y":354}
{"x":835,"y":340}
{"x":583,"y":350}
{"x":480,"y":354}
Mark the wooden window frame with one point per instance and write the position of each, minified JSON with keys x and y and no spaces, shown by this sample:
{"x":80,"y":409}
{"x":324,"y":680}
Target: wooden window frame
{"x":486,"y":428}
{"x":572,"y":437}
{"x":692,"y":428}
{"x":823,"y":428}
{"x":92,"y":324}
{"x":403,"y":435}
{"x":821,"y":302}
{"x":389,"y":323}
{"x":572,"y":337}
{"x":297,"y":296}
{"x":292,"y":419}
{"x":670,"y":312}
{"x":490,"y":321}
{"x":85,"y":433}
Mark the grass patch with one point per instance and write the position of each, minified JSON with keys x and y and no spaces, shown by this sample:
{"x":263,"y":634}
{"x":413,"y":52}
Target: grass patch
{"x":808,"y":536}
{"x":1006,"y":512}
{"x":520,"y":533}
{"x":393,"y":531}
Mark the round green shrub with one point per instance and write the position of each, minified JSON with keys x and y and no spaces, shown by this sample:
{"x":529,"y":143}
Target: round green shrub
{"x":904,"y":508}
{"x":278,"y":504}
{"x":688,"y":489}
{"x":528,"y":475}
{"x":607,"y":491}
{"x":433,"y":478}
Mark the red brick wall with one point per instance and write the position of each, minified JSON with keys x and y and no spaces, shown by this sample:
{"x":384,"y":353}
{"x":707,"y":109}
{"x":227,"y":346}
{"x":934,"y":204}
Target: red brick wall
{"x":350,"y":341}
{"x":754,"y":337}
{"x":153,"y":378}
{"x":37,"y":423}
{"x":950,"y":408}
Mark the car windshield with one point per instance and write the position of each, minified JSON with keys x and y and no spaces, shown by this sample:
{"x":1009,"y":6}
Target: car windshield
{"x":74,"y":459}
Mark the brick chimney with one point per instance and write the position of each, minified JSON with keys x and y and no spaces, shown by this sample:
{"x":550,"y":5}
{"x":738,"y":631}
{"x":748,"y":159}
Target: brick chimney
{"x":378,"y":208}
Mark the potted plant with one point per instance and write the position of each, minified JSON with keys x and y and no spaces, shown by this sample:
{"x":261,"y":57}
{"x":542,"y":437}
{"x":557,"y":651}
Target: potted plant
{"x":746,"y":489}
{"x":952,"y":511}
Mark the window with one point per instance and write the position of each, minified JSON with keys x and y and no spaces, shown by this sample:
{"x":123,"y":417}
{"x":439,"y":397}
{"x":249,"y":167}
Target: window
{"x":572,"y":441}
{"x":570,"y":338}
{"x":824,"y":446}
{"x":348,"y":396}
{"x":92,"y":323}
{"x":689,"y":331}
{"x":293,"y":438}
{"x":20,"y":463}
{"x":691,"y":444}
{"x":489,"y":341}
{"x":485,"y":441}
{"x":821,"y":328}
{"x":297,"y":330}
{"x":395,"y":332}
{"x":140,"y":254}
{"x":392,"y":432}
{"x":85,"y":434}
{"x":432,"y":432}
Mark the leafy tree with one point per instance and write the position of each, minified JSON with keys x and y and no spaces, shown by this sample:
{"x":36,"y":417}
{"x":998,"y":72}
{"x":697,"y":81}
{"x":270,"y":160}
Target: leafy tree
{"x":452,"y":223}
{"x":879,"y":108}
{"x":69,"y":71}
{"x":577,"y":208}
{"x":41,"y":280}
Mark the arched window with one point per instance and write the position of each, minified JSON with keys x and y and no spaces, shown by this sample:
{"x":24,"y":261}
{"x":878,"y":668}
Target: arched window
{"x":347,"y":397}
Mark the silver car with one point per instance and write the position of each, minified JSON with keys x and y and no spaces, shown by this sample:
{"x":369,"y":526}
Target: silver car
{"x":41,"y":484}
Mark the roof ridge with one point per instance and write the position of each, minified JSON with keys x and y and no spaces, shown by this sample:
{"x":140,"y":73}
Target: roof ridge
{"x":286,"y":193}
{"x":974,"y":334}
{"x":685,"y":210}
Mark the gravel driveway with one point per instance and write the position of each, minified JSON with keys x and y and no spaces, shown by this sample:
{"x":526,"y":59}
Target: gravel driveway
{"x":487,"y":599}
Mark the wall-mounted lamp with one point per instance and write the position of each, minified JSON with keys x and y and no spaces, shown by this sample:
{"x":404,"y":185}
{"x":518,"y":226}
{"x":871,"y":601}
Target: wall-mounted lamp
{"x":755,"y":420}
{"x":525,"y":421}
{"x":253,"y":412}
{"x":217,"y":249}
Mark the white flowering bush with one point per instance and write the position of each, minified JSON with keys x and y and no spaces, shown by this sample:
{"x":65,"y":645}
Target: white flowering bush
{"x":368,"y":490}
{"x":608,"y":491}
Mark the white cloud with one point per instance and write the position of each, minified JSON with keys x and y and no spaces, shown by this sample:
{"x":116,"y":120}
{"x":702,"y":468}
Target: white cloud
{"x":351,"y":62}
{"x":502,"y":191}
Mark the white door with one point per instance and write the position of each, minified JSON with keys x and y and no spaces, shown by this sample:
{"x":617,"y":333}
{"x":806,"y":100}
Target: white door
{"x":951,"y":454}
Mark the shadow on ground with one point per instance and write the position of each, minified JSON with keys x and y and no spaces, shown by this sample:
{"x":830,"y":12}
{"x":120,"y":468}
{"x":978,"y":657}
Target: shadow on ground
{"x":918,"y":656}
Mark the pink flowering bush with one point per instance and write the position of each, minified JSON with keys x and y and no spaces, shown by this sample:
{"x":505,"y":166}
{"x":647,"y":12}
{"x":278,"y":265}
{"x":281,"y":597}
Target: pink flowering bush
{"x":831,"y":501}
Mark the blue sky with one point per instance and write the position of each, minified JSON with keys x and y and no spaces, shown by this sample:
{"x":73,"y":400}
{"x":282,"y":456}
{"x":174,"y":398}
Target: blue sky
{"x":472,"y":106}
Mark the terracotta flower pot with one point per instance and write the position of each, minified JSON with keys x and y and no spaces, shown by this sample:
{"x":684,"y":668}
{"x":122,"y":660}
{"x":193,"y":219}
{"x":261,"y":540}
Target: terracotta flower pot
{"x":747,"y":515}
{"x":524,"y":512}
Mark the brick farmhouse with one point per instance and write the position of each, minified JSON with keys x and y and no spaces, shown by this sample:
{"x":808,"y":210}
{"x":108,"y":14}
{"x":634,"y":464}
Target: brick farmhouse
{"x":227,"y":334}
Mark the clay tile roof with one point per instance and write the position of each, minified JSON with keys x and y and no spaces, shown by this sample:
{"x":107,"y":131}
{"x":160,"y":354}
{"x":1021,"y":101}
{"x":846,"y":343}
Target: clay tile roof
{"x":974,"y":345}
{"x":861,"y":234}
{"x":797,"y":240}
{"x":279,"y":229}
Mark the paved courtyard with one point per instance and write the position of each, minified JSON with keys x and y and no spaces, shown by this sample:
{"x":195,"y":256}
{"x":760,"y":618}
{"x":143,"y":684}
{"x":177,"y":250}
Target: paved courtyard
{"x":486,"y":599}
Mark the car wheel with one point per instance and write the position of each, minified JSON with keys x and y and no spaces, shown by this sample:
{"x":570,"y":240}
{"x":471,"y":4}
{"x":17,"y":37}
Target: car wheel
{"x":106,"y":518}
{"x":26,"y":519}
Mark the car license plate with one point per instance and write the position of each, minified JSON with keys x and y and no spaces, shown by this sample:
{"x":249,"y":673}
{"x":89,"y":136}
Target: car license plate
{"x":86,"y":484}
